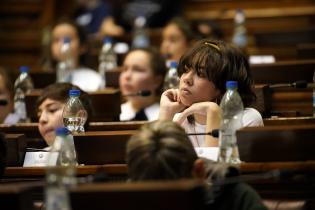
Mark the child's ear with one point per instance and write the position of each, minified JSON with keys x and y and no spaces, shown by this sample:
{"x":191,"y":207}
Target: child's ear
{"x":198,"y":170}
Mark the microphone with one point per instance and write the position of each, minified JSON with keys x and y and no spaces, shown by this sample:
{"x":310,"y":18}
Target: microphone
{"x":3,"y":102}
{"x":298,"y":84}
{"x":214,"y":133}
{"x":143,"y":93}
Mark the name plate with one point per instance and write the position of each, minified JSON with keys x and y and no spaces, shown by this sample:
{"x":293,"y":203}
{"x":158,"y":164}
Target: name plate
{"x":39,"y":159}
{"x":211,"y":153}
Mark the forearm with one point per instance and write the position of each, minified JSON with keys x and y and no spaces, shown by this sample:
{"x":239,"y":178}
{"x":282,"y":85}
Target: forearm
{"x":166,"y":114}
{"x":213,"y":122}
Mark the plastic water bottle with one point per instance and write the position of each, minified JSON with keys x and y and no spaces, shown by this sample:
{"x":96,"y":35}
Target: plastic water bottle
{"x":240,"y":32}
{"x":74,"y":115}
{"x":314,"y":95}
{"x":232,"y":113}
{"x":66,"y":64}
{"x":22,"y":85}
{"x":171,"y":78}
{"x":107,"y":58}
{"x":61,"y":171}
{"x":140,"y":36}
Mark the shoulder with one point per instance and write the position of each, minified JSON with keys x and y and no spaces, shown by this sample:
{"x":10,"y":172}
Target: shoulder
{"x":247,"y":198}
{"x":152,"y":111}
{"x":239,"y":196}
{"x":87,"y":72}
{"x":127,"y":112}
{"x":87,"y":79}
{"x":251,"y":117}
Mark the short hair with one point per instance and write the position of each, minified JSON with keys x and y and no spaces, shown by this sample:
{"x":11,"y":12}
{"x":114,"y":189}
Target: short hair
{"x":8,"y":84}
{"x":161,"y":150}
{"x":60,"y":92}
{"x":220,"y":62}
{"x":157,"y":64}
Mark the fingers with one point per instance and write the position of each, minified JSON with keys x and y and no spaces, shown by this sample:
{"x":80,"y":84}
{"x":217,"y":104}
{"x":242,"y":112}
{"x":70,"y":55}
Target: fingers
{"x":172,"y":95}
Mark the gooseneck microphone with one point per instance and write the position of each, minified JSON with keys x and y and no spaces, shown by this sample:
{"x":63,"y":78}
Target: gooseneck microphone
{"x":298,"y":84}
{"x":143,"y":93}
{"x":214,"y":133}
{"x":3,"y":102}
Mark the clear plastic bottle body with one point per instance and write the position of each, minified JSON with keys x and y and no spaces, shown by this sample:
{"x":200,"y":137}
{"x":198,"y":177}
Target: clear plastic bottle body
{"x":107,"y":58}
{"x":22,"y":85}
{"x":60,"y":172}
{"x":232,"y":114}
{"x":240,"y":32}
{"x":140,"y":36}
{"x":74,"y":115}
{"x":66,"y":64}
{"x":171,"y":78}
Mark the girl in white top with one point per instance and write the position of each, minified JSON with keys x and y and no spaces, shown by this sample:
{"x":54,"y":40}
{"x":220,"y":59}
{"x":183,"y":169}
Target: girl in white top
{"x":143,"y":70}
{"x":204,"y":70}
{"x":87,"y":79}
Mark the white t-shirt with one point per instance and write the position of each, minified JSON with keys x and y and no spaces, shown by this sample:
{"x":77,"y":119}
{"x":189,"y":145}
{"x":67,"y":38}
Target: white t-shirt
{"x":128,"y":113}
{"x":86,"y":79}
{"x":251,"y":118}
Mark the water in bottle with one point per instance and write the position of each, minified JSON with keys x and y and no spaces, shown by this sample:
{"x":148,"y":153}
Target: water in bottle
{"x":74,"y":115}
{"x":22,"y":85}
{"x":66,"y":64}
{"x":60,"y":171}
{"x":232,"y":113}
{"x":240,"y":31}
{"x":107,"y":58}
{"x":140,"y":36}
{"x":171,"y":78}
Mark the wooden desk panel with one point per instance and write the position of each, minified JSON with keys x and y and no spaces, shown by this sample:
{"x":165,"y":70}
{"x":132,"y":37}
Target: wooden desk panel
{"x":105,"y":105}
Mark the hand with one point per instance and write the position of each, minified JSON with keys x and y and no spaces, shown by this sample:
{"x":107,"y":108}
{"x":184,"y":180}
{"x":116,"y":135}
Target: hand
{"x":170,"y":104}
{"x":200,"y":108}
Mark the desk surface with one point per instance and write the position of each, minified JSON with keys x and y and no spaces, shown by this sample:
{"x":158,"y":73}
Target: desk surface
{"x":121,"y":169}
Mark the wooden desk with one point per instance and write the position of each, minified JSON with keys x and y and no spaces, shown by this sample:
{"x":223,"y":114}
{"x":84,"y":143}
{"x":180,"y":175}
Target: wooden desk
{"x":299,"y":185}
{"x":16,"y":145}
{"x":283,"y":72}
{"x":121,"y":169}
{"x":275,"y":121}
{"x":276,"y":143}
{"x":105,"y":105}
{"x":30,"y":130}
{"x":283,"y":102}
{"x":170,"y":195}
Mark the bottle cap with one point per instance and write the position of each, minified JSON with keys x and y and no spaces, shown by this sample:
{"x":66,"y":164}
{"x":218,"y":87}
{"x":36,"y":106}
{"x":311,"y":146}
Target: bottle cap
{"x":62,"y":131}
{"x":73,"y":92}
{"x":173,"y":64}
{"x":107,"y":40}
{"x":231,"y":84}
{"x":66,"y":39}
{"x":24,"y":68}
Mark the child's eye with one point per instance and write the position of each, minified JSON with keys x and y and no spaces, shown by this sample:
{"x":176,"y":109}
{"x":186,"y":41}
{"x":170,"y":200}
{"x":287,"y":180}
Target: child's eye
{"x":201,"y":74}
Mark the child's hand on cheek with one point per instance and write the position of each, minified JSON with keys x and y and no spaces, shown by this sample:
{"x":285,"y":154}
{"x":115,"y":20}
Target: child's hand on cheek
{"x":170,"y":104}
